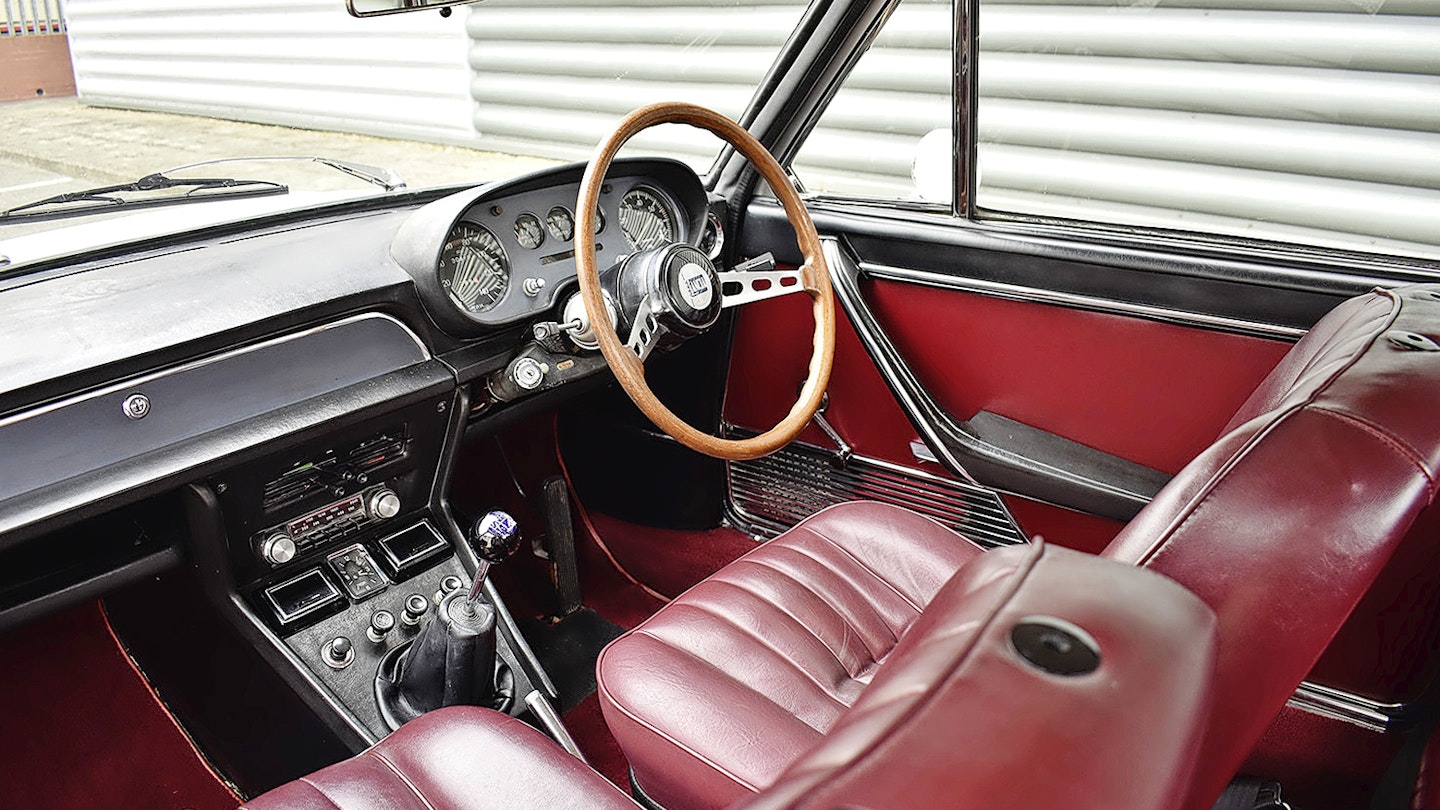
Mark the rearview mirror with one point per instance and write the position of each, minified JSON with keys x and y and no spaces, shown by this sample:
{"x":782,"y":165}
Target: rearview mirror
{"x":375,"y":8}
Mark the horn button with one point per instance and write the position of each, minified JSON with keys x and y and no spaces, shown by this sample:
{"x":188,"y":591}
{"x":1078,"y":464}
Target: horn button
{"x":682,"y":285}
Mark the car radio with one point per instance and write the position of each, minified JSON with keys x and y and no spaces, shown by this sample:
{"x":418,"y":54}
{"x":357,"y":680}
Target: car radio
{"x":345,"y":517}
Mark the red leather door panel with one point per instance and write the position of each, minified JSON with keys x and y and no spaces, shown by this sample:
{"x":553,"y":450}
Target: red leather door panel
{"x":1151,"y":392}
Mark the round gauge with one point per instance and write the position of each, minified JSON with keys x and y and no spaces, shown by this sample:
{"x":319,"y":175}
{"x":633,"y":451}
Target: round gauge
{"x":646,"y":219}
{"x":473,"y":268}
{"x":599,"y":220}
{"x":528,"y":231}
{"x":560,"y":223}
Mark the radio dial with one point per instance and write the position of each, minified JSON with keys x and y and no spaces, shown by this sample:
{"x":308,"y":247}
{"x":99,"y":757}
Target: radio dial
{"x":278,"y":549}
{"x":384,"y":504}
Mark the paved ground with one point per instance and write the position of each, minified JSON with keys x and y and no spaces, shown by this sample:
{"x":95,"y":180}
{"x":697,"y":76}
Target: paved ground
{"x":49,"y":146}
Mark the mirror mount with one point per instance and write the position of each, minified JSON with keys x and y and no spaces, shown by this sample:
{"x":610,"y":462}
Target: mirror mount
{"x":377,"y":8}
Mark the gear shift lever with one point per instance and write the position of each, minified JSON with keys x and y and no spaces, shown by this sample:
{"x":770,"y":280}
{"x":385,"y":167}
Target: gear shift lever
{"x":494,"y":537}
{"x":452,"y":660}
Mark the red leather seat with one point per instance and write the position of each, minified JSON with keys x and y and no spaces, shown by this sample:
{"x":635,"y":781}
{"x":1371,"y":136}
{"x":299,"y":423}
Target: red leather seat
{"x":958,"y":718}
{"x":752,"y":666}
{"x":453,"y":758}
{"x":1280,"y":526}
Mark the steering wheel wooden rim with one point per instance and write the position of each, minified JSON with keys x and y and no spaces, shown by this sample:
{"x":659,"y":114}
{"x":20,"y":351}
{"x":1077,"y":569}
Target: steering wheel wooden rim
{"x":815,"y":280}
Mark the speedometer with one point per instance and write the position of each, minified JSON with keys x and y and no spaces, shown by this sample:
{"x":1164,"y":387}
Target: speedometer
{"x":473,"y":268}
{"x":646,"y":219}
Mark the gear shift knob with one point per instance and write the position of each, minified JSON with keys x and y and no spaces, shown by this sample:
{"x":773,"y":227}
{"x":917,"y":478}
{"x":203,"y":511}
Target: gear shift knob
{"x":495,"y":536}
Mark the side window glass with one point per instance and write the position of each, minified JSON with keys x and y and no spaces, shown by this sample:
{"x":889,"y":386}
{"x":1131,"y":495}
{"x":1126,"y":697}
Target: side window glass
{"x":892,"y":111}
{"x":1307,"y":121}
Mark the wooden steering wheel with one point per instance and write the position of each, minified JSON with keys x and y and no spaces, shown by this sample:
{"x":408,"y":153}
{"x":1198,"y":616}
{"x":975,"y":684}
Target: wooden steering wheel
{"x":687,"y":268}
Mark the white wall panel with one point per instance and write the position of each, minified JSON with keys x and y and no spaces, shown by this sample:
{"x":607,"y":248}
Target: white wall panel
{"x":305,"y":64}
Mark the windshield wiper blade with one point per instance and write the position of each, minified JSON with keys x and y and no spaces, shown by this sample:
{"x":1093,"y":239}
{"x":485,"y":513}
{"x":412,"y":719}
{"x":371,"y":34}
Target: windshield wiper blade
{"x":105,"y":199}
{"x":388,"y":179}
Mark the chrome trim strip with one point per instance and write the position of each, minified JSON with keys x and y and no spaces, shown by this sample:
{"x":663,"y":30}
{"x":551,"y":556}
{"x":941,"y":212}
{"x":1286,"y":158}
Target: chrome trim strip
{"x":213,"y":359}
{"x":773,"y":493}
{"x":1016,"y":292}
{"x":1338,"y":704}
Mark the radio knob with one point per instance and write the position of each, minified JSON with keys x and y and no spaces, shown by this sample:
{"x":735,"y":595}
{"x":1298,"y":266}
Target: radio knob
{"x":278,"y":549}
{"x":384,"y":504}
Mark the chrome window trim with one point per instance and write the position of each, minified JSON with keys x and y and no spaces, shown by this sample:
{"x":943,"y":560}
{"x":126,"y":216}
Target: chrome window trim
{"x":1016,"y":292}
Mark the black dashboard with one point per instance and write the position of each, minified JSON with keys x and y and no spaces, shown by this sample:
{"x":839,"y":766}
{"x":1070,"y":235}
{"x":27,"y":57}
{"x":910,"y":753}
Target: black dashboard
{"x":225,"y":359}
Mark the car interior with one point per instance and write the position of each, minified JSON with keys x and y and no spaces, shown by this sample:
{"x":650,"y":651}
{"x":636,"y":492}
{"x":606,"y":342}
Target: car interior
{"x":620,"y":485}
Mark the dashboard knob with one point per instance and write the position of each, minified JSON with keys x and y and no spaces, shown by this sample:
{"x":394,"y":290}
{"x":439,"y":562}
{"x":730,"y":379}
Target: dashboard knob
{"x":338,"y":652}
{"x":527,"y":373}
{"x":384,"y":504}
{"x":278,"y":549}
{"x":416,"y":606}
{"x":381,"y":623}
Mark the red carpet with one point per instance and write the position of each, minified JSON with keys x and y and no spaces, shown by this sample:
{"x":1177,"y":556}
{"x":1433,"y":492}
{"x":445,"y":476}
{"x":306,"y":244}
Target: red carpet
{"x":83,"y":730}
{"x":669,"y":560}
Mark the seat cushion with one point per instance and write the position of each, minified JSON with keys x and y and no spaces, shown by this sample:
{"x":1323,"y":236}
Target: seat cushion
{"x":719,"y":691}
{"x":958,"y":719}
{"x":458,"y":758}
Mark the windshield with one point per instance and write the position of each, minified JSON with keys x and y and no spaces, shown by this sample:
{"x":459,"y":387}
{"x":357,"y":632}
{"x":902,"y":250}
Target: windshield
{"x":112,"y":93}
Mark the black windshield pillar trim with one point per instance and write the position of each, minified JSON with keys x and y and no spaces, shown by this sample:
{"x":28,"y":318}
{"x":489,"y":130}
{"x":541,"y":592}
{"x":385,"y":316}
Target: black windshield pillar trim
{"x":964,"y":101}
{"x":988,"y":449}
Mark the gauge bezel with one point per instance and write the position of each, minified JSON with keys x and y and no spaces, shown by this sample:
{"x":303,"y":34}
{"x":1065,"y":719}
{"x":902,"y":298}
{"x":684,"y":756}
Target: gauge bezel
{"x":569,"y":215}
{"x":677,"y":225}
{"x":505,"y":268}
{"x":544,"y":231}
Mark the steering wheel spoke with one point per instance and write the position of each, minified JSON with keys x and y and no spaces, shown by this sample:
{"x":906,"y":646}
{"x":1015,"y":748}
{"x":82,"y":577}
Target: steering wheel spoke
{"x":646,"y":331}
{"x":743,"y":287}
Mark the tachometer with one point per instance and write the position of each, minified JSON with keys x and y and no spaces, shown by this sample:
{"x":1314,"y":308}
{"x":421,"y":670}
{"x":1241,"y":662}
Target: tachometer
{"x":646,"y":219}
{"x":473,"y":268}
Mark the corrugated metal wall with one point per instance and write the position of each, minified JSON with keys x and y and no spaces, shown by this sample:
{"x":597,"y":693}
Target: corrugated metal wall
{"x":552,"y":77}
{"x":1311,"y":120}
{"x":1316,"y":121}
{"x":304,"y":63}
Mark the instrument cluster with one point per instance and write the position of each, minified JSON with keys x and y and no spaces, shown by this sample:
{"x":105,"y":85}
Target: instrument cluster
{"x":511,"y":251}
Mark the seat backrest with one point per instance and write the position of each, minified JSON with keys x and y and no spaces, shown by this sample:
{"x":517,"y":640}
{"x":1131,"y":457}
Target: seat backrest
{"x":1283,"y":524}
{"x":958,"y":718}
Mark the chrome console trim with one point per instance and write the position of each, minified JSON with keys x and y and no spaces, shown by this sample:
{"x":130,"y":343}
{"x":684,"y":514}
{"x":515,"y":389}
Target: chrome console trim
{"x":1016,"y":292}
{"x":1338,"y":704}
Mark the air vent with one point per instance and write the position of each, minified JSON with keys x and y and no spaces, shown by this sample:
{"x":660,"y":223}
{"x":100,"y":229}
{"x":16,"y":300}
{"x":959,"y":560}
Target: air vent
{"x":379,"y":449}
{"x":299,"y":482}
{"x":774,"y":493}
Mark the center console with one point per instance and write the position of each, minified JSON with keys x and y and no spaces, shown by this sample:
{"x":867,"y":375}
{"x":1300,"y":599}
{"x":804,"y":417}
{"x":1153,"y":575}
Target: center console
{"x":333,"y":554}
